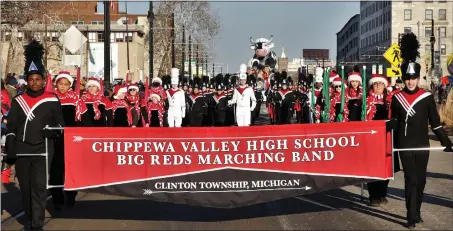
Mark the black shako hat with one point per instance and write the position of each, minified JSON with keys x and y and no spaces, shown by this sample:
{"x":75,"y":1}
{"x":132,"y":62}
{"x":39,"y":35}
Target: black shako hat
{"x":34,"y":52}
{"x":409,"y":53}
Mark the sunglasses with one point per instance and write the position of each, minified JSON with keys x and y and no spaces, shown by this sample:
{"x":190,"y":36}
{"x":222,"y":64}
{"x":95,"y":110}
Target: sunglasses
{"x":132,"y":89}
{"x":337,"y":86}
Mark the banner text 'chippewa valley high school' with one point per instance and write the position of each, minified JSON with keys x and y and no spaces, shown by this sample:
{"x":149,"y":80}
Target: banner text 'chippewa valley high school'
{"x":197,"y":163}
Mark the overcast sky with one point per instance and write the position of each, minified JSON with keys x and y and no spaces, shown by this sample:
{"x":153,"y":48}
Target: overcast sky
{"x":295,"y":26}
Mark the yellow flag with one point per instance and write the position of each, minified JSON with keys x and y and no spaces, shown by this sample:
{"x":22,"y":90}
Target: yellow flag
{"x":450,"y":64}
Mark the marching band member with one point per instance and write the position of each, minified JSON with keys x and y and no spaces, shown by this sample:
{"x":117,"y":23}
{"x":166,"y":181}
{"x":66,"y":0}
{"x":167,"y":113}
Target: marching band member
{"x":335,"y":102}
{"x":187,"y":91}
{"x":30,"y":114}
{"x":242,"y":96}
{"x":413,"y":109}
{"x":198,"y":104}
{"x":354,"y":94}
{"x":176,"y":101}
{"x":133,"y":101}
{"x":99,"y":106}
{"x":285,"y":97}
{"x":154,"y":114}
{"x":378,"y":108}
{"x":123,"y":115}
{"x":398,"y":86}
{"x":74,"y":111}
{"x":166,"y":81}
{"x":221,"y":105}
{"x":230,"y":82}
{"x":302,"y":101}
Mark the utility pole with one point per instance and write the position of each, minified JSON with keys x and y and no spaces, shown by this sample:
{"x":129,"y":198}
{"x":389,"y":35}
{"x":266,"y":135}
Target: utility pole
{"x":206,"y":64}
{"x":213,"y":72}
{"x":196,"y":61}
{"x":173,"y":56}
{"x":127,"y":40}
{"x":432,"y":40}
{"x":150,"y":41}
{"x":183,"y":50}
{"x":107,"y":42}
{"x":190,"y":56}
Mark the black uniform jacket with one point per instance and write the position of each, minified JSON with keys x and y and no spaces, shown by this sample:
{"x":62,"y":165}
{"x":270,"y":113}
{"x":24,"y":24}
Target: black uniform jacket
{"x":30,"y":113}
{"x":413,"y":111}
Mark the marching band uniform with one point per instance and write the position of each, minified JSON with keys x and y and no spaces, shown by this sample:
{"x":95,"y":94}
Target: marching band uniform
{"x":230,"y":113}
{"x":335,"y":102}
{"x":285,"y":97}
{"x":354,"y":94}
{"x":133,"y":101}
{"x":122,"y":112}
{"x":154,"y":113}
{"x":99,"y":106}
{"x":74,"y":111}
{"x":30,"y":113}
{"x":176,"y":101}
{"x":301,"y":105}
{"x":242,"y":97}
{"x":221,"y":105}
{"x":198,"y":104}
{"x":413,"y":108}
{"x":378,"y":108}
{"x":187,"y":90}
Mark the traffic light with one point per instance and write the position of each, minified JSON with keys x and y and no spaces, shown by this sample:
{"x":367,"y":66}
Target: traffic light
{"x":427,"y":68}
{"x":400,"y":35}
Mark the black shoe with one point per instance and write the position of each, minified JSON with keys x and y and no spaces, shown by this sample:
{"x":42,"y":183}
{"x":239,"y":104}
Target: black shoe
{"x":410,"y":225}
{"x":419,"y":220}
{"x":375,"y":203}
{"x":384,"y":201}
{"x":37,"y":229}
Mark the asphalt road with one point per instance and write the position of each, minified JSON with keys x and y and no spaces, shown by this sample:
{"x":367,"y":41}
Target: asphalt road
{"x":340,"y":209}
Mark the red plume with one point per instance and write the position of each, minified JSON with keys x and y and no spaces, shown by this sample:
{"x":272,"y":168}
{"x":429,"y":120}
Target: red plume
{"x":49,"y":86}
{"x":101,"y":81}
{"x":77,"y":82}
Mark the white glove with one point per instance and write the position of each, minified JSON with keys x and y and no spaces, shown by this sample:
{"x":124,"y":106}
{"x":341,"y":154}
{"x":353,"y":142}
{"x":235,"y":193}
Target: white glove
{"x":264,"y":98}
{"x":317,"y":121}
{"x":230,"y":102}
{"x":252,"y":109}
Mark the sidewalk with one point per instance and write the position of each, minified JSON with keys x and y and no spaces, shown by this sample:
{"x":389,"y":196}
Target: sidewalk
{"x":11,"y":202}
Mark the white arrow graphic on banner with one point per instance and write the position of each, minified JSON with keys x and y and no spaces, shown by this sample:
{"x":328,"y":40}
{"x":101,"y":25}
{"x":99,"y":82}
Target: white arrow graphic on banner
{"x":147,"y":192}
{"x":79,"y":138}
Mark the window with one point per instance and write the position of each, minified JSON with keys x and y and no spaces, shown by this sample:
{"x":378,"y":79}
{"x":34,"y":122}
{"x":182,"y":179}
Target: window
{"x":407,"y":14}
{"x":443,"y":31}
{"x":428,"y":31}
{"x":77,"y":22}
{"x":442,"y":1}
{"x":427,"y":48}
{"x":92,"y":37}
{"x":442,"y":14}
{"x":59,"y":22}
{"x":100,"y":36}
{"x":119,"y":37}
{"x":405,"y":1}
{"x":128,"y":36}
{"x":443,"y":49}
{"x":97,"y":22}
{"x":428,"y":14}
{"x":407,"y":30}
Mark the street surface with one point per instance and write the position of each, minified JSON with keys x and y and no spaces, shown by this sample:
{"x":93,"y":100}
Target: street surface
{"x":339,"y":209}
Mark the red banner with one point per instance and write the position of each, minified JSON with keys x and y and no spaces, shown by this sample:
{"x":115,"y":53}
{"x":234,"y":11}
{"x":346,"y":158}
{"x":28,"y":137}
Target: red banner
{"x":100,"y":157}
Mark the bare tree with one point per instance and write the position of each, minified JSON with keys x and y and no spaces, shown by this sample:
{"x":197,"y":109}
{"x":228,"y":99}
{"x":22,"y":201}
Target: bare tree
{"x":199,"y":20}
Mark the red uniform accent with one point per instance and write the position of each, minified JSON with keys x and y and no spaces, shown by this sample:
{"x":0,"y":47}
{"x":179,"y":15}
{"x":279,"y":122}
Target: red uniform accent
{"x":241,"y":89}
{"x":72,"y":98}
{"x":411,"y":98}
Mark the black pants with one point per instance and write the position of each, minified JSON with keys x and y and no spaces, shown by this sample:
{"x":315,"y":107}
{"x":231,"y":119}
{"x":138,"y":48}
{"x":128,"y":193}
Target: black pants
{"x":414,"y":166}
{"x":56,"y":176}
{"x":31,"y":173}
{"x":377,"y":189}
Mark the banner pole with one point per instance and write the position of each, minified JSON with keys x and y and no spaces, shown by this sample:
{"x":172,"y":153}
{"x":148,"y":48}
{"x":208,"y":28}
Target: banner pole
{"x":393,"y":158}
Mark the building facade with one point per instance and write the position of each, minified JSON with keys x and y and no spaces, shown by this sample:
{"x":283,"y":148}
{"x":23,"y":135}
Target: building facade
{"x":348,"y":42}
{"x":381,"y":22}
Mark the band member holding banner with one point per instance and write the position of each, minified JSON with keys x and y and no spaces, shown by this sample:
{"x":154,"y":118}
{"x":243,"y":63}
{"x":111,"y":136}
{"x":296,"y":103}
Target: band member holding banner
{"x":122,"y":112}
{"x":30,"y":114}
{"x":221,"y":105}
{"x":154,"y":114}
{"x":176,"y":101}
{"x":378,"y":108}
{"x":133,"y":100}
{"x":99,"y":106}
{"x":198,"y":104}
{"x":241,"y":97}
{"x":74,"y":111}
{"x":354,"y":95}
{"x":338,"y":105}
{"x":413,"y":108}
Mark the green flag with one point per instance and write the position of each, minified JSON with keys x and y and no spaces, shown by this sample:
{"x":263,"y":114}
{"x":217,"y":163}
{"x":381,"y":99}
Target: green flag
{"x":341,"y":115}
{"x":364,"y":92}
